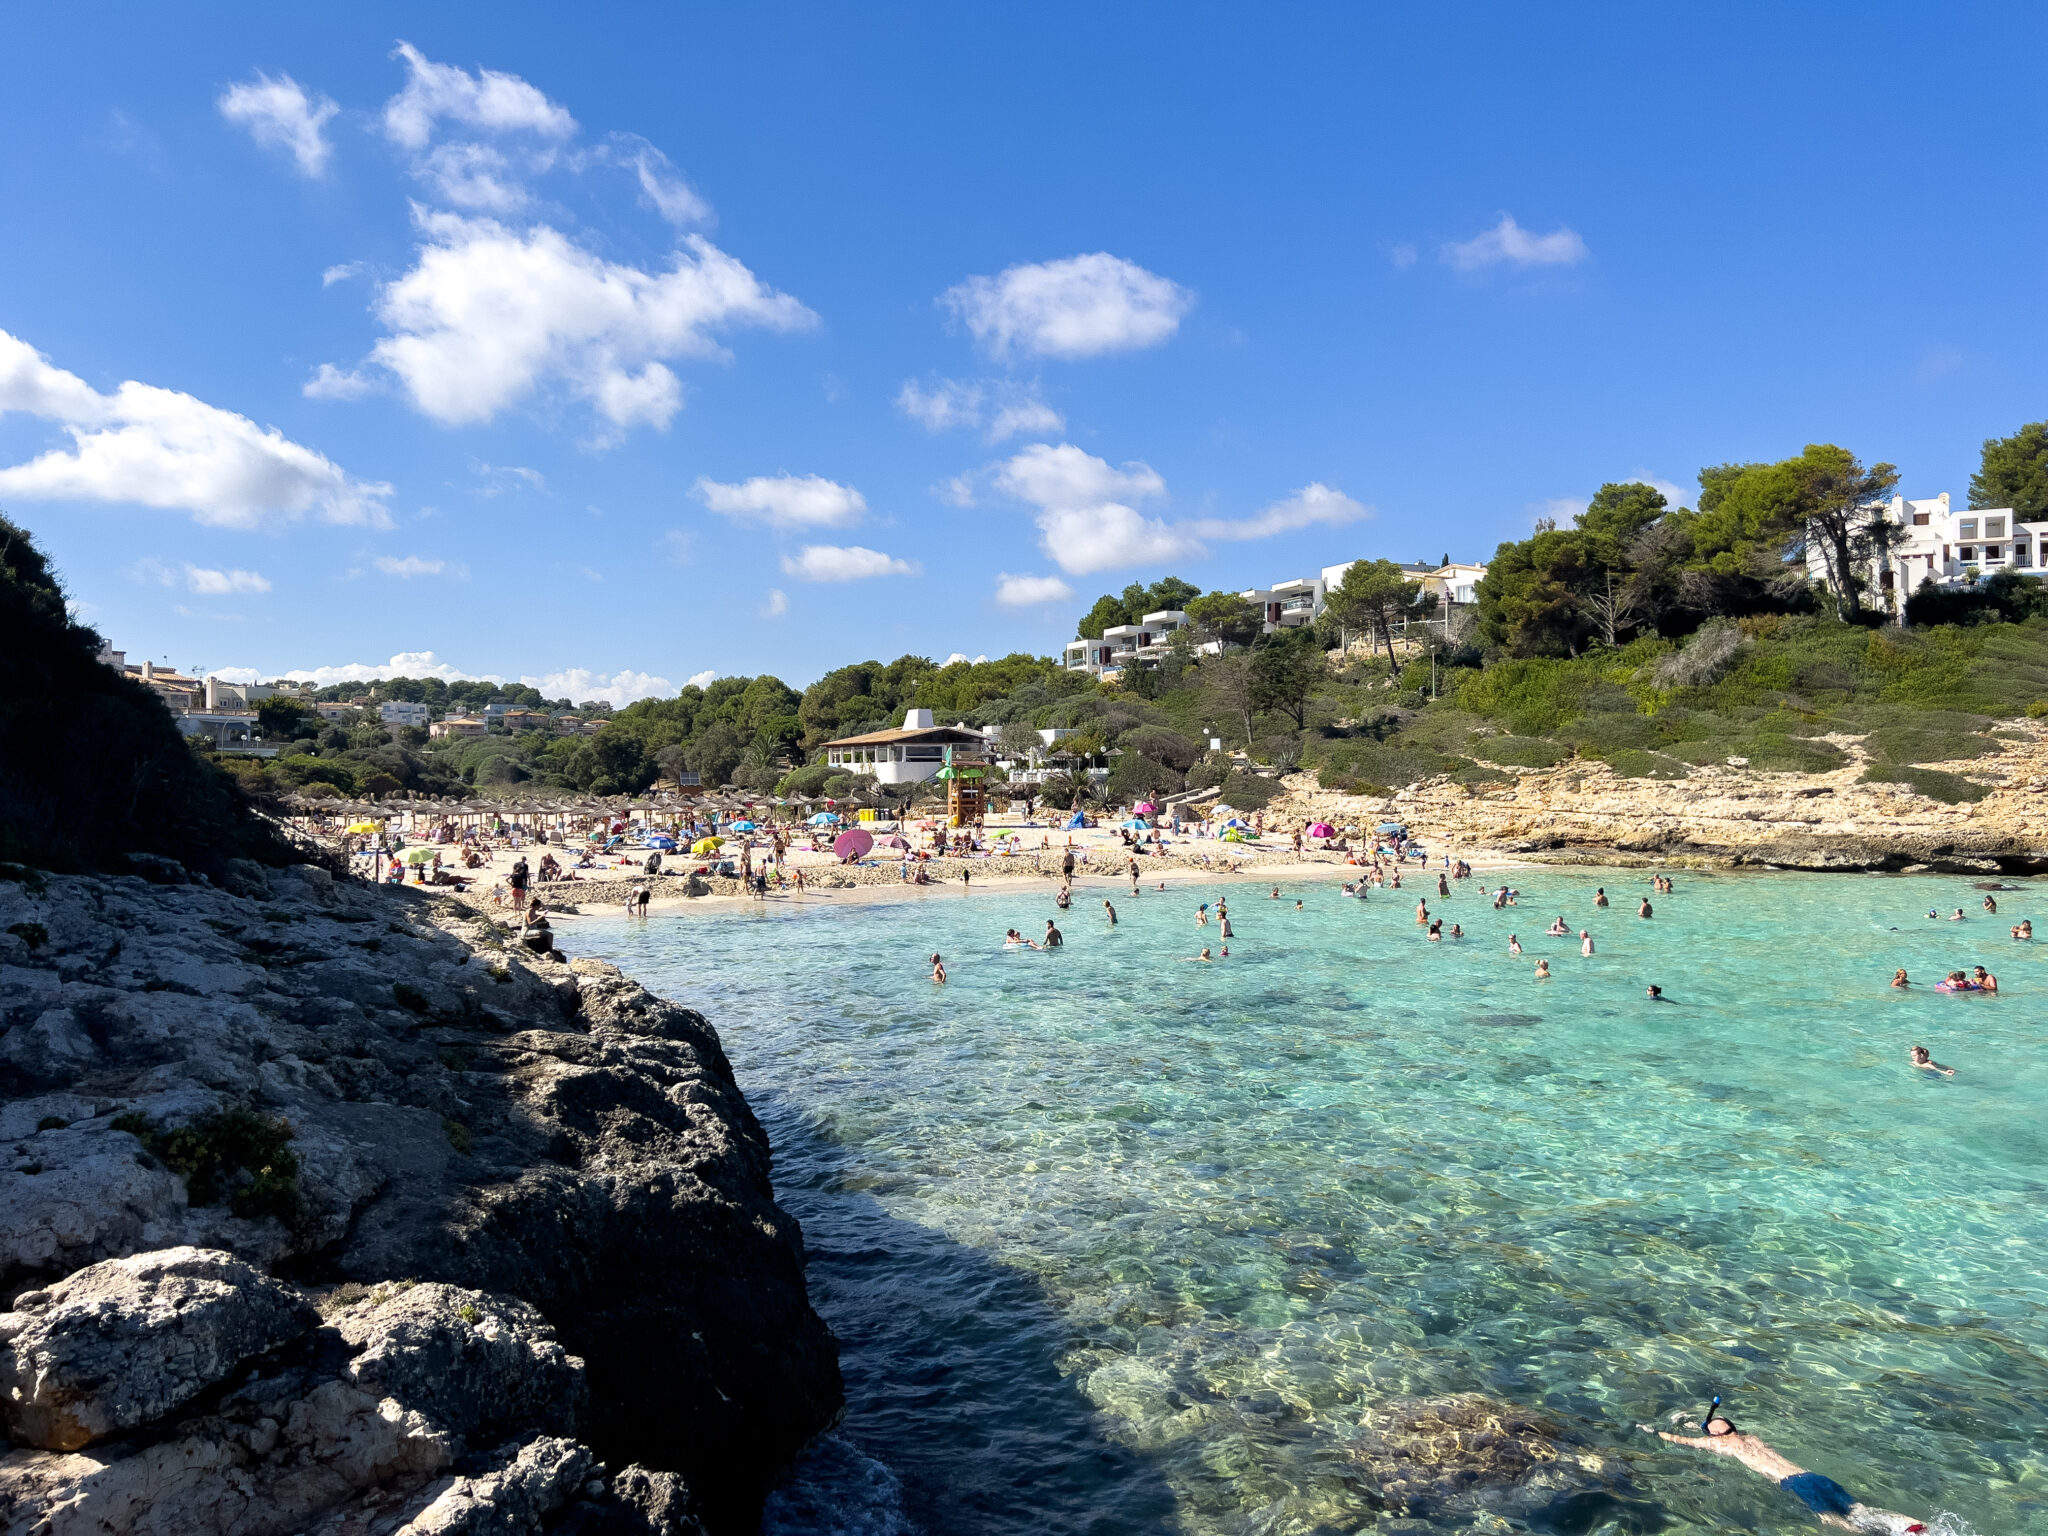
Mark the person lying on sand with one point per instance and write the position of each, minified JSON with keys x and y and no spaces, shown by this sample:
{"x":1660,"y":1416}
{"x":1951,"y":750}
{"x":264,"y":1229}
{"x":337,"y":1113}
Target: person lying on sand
{"x":1823,"y":1495}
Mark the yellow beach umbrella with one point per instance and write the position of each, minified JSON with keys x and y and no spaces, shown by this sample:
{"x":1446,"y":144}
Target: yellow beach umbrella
{"x":707,"y":845}
{"x":365,"y":826}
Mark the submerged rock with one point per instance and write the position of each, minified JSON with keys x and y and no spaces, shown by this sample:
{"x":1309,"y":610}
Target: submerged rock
{"x":1430,"y":1458}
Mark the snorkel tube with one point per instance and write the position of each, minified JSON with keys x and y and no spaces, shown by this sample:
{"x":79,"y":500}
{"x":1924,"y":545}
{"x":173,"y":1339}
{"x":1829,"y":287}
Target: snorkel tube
{"x":1708,"y":1417}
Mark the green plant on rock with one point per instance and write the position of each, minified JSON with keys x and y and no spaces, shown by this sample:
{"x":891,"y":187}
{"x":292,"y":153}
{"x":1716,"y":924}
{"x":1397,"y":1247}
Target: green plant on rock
{"x":236,"y":1154}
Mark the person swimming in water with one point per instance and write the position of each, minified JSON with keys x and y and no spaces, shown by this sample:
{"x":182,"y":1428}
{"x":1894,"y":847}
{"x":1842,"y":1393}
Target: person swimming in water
{"x":1053,"y":937}
{"x":938,"y":969}
{"x":2025,"y":929}
{"x":1110,"y":910}
{"x":1585,"y":942}
{"x":1297,"y":906}
{"x":1986,"y":982}
{"x":1900,"y":979}
{"x":1920,"y":1058}
{"x":1991,"y":904}
{"x":1644,"y":909}
{"x":1436,"y":931}
{"x":1823,"y":1495}
{"x":1192,"y":959}
{"x":1656,"y":994}
{"x":1514,"y":945}
{"x":1457,"y":932}
{"x":1543,"y":970}
{"x":1957,"y":916}
{"x":1600,"y":896}
{"x":1559,"y":929}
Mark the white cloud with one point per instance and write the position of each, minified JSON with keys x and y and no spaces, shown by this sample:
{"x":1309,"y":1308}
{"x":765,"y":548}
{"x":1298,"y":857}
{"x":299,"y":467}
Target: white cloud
{"x":488,"y":313}
{"x":702,"y":679}
{"x":280,"y":115}
{"x":161,"y":448}
{"x":1674,"y":495}
{"x":1084,"y":517}
{"x":407,"y":567}
{"x":209,"y":583}
{"x":1004,"y":409}
{"x":332,"y":383}
{"x":1083,"y":306}
{"x":777,"y":604}
{"x":1314,"y":505}
{"x":1561,"y":509}
{"x":488,"y":100}
{"x":833,"y":562}
{"x":340,"y":272}
{"x":236,"y":674}
{"x":956,"y":492}
{"x":618,"y":690}
{"x":678,"y":545}
{"x":1030,"y":591}
{"x":1510,"y":244}
{"x":1402,"y":256}
{"x":785,"y":501}
{"x":479,"y":177}
{"x":404,"y":664}
{"x":666,"y":191}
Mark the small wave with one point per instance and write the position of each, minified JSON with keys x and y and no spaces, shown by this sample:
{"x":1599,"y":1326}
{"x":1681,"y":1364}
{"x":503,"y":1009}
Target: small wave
{"x":837,"y":1489}
{"x":1946,"y":1524}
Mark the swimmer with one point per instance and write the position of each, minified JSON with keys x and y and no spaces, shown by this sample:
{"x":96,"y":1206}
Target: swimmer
{"x":1644,"y":909}
{"x":1559,"y":929}
{"x":1225,"y":955}
{"x":1656,"y":994}
{"x":1920,"y":1058}
{"x":1457,"y":932}
{"x":2025,"y":930}
{"x":1436,"y":931}
{"x":1986,"y":982}
{"x":1276,"y":893}
{"x":1900,"y":979}
{"x":1015,"y":940}
{"x":1823,"y":1495}
{"x":1202,"y":915}
{"x":1053,"y":937}
{"x":1421,"y":913}
{"x":1600,"y":896}
{"x":1991,"y":904}
{"x":1543,"y":970}
{"x":1223,"y":925}
{"x":1514,"y":945}
{"x":1297,"y":906}
{"x":1110,"y":910}
{"x":938,"y":969}
{"x":1585,"y":942}
{"x":1192,"y":959}
{"x":1958,"y":917}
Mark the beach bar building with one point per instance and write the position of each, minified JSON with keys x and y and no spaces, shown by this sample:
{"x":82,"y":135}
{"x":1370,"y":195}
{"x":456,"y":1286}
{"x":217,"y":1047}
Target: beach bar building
{"x":910,"y":754}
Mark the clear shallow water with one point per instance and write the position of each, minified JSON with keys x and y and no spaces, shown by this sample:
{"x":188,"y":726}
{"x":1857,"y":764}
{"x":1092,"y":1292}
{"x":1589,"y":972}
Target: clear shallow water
{"x":1118,"y":1244}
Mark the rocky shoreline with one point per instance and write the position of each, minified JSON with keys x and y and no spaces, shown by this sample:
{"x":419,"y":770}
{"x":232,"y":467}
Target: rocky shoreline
{"x":329,"y":1209}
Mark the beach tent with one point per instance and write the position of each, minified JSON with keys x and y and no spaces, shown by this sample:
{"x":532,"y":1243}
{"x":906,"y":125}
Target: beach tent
{"x":1322,"y":829}
{"x":1076,"y":820}
{"x":852,"y":844}
{"x":1239,"y":835}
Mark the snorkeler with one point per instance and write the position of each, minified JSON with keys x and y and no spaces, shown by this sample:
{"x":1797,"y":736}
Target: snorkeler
{"x":1823,"y":1495}
{"x":1920,"y":1058}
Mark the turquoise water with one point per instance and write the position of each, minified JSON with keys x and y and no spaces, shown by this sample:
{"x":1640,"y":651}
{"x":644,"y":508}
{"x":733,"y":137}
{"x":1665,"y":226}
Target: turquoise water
{"x":1116,"y":1243}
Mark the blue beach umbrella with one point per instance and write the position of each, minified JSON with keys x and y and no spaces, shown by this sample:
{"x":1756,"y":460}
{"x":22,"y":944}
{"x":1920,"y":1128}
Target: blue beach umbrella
{"x":825,"y":819}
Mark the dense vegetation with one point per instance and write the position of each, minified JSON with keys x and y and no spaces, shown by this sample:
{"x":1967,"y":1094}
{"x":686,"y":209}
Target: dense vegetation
{"x":92,"y":768}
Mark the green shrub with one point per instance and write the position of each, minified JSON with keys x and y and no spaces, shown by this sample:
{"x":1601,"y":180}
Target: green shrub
{"x":1248,"y":791}
{"x":1520,"y":751}
{"x":52,"y":1123}
{"x":236,"y":1153}
{"x":1631,"y":763}
{"x":1949,"y":788}
{"x":410,"y":996}
{"x":458,"y":1136}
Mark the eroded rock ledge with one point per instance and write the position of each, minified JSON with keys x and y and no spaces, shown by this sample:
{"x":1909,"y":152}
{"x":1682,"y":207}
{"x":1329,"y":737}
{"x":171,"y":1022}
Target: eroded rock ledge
{"x":324,"y":1209}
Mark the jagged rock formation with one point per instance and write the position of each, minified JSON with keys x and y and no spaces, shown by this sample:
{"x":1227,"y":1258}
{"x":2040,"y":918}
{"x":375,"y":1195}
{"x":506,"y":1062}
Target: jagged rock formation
{"x":219,"y":1103}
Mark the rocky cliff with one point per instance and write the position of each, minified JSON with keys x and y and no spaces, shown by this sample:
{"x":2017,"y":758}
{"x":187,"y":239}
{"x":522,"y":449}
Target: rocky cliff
{"x":325,"y":1208}
{"x":1729,"y":814}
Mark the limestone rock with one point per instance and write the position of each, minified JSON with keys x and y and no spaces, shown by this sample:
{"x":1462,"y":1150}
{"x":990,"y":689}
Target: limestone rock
{"x":126,"y":1341}
{"x":512,"y":1501}
{"x":470,"y":1361}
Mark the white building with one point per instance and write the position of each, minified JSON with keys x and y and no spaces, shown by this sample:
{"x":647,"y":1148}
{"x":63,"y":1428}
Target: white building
{"x":914,"y":752}
{"x":1954,"y":547}
{"x":402,"y":712}
{"x":1122,"y":645}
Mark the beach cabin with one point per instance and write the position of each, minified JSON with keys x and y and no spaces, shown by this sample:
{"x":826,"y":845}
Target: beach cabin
{"x":908,"y":755}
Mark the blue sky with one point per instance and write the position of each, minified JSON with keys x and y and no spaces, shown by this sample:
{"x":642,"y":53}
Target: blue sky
{"x":613,"y":346}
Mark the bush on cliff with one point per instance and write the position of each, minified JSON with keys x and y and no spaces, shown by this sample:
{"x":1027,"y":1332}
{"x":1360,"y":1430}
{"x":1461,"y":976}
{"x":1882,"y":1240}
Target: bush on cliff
{"x":92,"y":768}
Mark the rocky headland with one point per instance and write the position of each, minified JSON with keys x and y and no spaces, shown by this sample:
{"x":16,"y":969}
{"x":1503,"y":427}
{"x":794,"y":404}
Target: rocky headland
{"x":332,"y":1208}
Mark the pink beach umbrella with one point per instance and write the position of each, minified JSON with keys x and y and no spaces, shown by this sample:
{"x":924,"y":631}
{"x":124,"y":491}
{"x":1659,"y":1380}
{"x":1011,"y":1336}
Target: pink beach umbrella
{"x":852,"y":844}
{"x":1322,"y":829}
{"x":1146,"y":808}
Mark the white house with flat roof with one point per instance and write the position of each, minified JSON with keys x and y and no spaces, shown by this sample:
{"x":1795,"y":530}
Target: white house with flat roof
{"x":1931,"y":539}
{"x":908,"y":754}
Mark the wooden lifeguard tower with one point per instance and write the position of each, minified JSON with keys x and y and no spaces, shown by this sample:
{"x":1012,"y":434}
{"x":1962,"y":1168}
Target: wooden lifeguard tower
{"x":966,"y":789}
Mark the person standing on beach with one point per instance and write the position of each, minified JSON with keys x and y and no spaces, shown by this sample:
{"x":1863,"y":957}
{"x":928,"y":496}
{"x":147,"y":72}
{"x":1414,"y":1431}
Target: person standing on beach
{"x":1067,"y":863}
{"x":521,"y":878}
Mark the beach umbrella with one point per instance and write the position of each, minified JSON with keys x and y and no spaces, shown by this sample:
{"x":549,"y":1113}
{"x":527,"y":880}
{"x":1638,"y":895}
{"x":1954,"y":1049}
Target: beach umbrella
{"x":1322,"y":829}
{"x":364,"y":826}
{"x":1144,"y":808}
{"x":893,"y":841}
{"x":1137,"y":822}
{"x":667,"y":844}
{"x":824,"y":819}
{"x":1220,"y":809}
{"x":1239,"y":823}
{"x":852,"y":844}
{"x":743,"y":826}
{"x":420,"y":856}
{"x":706,"y":845}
